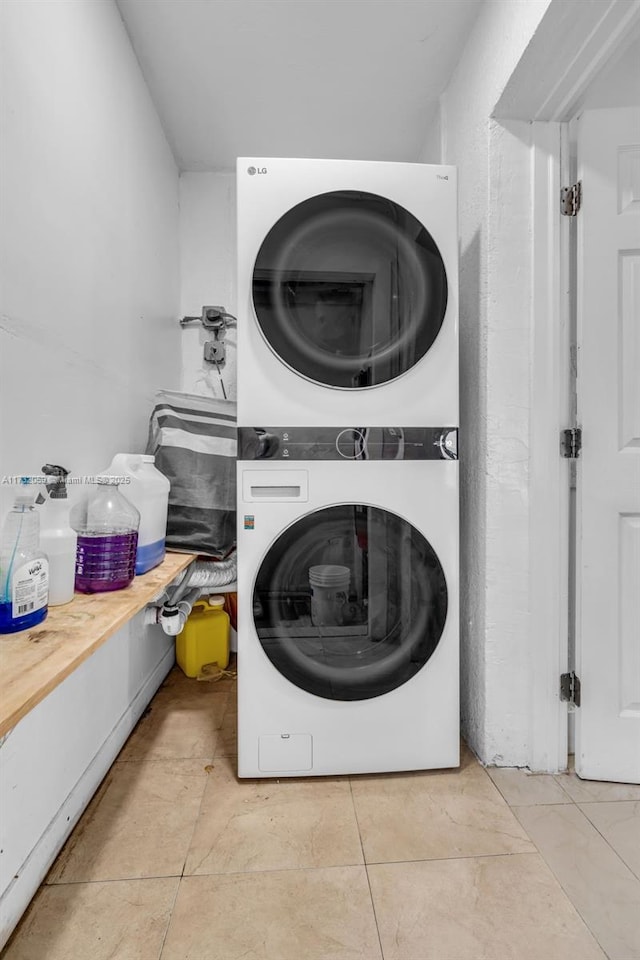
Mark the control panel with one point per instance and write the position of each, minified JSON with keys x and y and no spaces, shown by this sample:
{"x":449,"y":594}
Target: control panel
{"x":347,"y":443}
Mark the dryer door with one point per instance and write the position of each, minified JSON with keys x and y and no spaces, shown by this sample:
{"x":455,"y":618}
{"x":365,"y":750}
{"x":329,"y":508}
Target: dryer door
{"x":350,"y":289}
{"x":350,"y":602}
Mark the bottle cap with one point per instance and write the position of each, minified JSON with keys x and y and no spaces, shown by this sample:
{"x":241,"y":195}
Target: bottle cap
{"x":23,"y":499}
{"x":215,"y":601}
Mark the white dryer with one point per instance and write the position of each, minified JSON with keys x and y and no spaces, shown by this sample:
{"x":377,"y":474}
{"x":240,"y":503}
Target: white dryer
{"x":348,"y":587}
{"x":347,"y":292}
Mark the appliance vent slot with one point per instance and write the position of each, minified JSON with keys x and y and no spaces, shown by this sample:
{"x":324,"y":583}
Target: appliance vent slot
{"x":266,"y":493}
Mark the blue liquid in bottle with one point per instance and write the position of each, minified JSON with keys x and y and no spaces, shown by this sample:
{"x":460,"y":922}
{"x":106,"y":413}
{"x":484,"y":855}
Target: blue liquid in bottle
{"x":24,"y":577}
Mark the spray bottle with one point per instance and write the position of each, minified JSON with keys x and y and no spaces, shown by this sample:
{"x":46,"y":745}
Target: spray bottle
{"x":24,"y":569}
{"x":57,"y":538}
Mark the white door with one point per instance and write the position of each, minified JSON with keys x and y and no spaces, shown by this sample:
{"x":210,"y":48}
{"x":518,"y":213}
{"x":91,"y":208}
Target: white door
{"x":608,"y":471}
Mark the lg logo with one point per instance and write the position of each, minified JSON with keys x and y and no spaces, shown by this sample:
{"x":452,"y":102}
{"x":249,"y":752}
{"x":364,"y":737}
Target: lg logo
{"x":253,"y":170}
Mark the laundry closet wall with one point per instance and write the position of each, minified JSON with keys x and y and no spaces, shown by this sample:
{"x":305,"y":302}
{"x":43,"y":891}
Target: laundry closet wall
{"x":493,"y":161}
{"x":90,"y":280}
{"x":207,"y":274}
{"x":89,"y":285}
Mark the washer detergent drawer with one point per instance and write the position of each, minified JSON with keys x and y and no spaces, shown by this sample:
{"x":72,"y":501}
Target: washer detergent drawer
{"x":285,"y":752}
{"x":275,"y":486}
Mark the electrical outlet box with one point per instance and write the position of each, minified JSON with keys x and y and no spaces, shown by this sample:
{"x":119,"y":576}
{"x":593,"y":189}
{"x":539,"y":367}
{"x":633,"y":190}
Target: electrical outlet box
{"x":212,"y":317}
{"x":214,"y":352}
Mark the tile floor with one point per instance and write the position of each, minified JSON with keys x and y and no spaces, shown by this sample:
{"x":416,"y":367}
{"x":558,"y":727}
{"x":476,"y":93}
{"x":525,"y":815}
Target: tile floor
{"x":175,"y":859}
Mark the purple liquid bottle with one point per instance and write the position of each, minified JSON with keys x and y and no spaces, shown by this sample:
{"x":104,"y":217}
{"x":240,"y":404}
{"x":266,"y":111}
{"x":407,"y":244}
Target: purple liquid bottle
{"x":107,"y":527}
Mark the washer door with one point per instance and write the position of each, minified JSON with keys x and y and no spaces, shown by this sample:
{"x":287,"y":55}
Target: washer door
{"x":349,"y":289}
{"x":350,"y":602}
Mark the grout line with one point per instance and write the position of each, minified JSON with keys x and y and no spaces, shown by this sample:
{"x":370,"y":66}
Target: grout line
{"x":541,"y":806}
{"x":581,"y":803}
{"x":544,"y":806}
{"x":566,"y":792}
{"x":257,"y":873}
{"x":499,"y":791}
{"x":578,"y":911}
{"x":77,"y":883}
{"x":559,"y":881}
{"x":211,"y":763}
{"x":366,"y":868}
{"x":173,"y":906}
{"x":329,"y":866}
{"x":190,"y":840}
{"x":599,"y":831}
{"x":467,"y":856}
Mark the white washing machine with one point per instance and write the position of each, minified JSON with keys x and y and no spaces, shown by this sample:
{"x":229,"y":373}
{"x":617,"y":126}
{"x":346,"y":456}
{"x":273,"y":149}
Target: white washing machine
{"x":347,"y":292}
{"x":348,"y":587}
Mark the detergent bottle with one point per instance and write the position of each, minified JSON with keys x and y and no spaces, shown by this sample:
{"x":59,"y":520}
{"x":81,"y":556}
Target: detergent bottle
{"x":57,"y":538}
{"x":24,"y":569}
{"x":148,"y":490}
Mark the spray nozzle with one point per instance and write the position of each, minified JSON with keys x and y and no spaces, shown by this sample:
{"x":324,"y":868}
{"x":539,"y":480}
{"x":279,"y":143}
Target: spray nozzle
{"x":56,"y":486}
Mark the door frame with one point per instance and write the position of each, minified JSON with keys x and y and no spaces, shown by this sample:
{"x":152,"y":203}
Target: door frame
{"x":574,"y":41}
{"x":550,"y":412}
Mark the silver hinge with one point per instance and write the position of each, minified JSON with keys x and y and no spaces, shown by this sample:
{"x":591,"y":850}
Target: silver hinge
{"x":570,"y":199}
{"x":571,"y":443}
{"x":570,"y":688}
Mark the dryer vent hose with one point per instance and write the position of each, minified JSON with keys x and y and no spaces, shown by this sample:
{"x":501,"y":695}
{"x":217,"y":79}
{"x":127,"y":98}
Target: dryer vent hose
{"x":203,"y":574}
{"x":211,"y":573}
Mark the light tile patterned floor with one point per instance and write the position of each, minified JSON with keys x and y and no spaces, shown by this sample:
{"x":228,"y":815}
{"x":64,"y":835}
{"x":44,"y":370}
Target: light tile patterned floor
{"x":175,"y":859}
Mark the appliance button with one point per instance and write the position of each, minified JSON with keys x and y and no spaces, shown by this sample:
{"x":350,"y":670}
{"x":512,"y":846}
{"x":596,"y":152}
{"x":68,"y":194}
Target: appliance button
{"x":350,"y":443}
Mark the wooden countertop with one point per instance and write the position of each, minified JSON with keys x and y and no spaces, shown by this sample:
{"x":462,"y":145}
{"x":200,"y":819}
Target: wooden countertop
{"x":33,"y":662}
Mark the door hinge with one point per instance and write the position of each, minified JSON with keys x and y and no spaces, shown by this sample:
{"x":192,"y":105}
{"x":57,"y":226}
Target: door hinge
{"x":570,"y":688}
{"x":571,"y":443}
{"x":570,"y":199}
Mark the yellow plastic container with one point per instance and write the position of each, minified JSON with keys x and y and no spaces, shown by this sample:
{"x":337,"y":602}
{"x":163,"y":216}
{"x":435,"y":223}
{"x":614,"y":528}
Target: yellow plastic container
{"x":205,"y":637}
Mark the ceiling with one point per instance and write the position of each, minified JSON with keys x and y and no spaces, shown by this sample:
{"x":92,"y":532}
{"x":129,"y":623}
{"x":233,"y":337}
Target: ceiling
{"x":344,"y":79}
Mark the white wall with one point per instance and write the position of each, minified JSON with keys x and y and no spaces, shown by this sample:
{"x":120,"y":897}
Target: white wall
{"x":89,"y":245}
{"x":431,"y":151}
{"x":88,"y":332}
{"x":207,"y":275}
{"x":495,"y":368}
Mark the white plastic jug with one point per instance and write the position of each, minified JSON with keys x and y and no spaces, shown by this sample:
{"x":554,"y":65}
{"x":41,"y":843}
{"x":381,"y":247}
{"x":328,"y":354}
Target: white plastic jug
{"x":148,"y":490}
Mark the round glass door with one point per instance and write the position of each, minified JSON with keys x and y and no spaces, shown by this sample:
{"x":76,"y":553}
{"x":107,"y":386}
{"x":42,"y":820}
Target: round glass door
{"x":350,"y":602}
{"x":349,"y":289}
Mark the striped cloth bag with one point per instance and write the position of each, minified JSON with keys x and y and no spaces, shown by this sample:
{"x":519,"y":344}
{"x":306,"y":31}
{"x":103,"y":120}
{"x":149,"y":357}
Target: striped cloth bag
{"x":194,"y":441}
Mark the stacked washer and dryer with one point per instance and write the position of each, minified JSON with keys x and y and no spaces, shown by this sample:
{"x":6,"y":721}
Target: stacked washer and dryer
{"x":348,"y":567}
